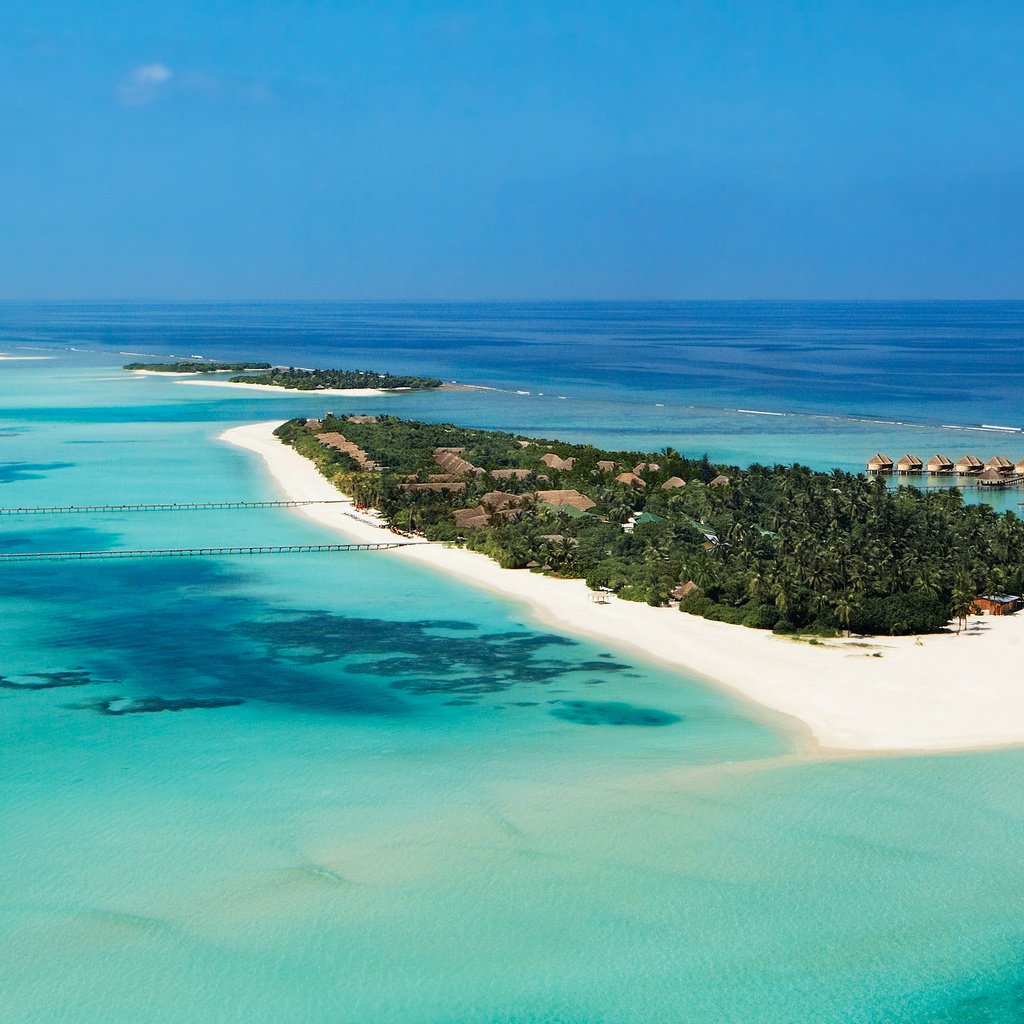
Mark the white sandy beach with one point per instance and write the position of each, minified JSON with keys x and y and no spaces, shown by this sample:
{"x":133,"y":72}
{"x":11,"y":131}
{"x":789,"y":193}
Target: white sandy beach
{"x":350,"y":392}
{"x":933,"y":693}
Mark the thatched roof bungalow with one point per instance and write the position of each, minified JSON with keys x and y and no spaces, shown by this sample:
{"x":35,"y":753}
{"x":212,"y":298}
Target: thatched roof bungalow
{"x":1019,"y":468}
{"x":606,"y":466}
{"x":684,"y":590}
{"x":719,"y":481}
{"x":908,"y":465}
{"x":510,"y":474}
{"x":991,"y":477}
{"x":552,"y":461}
{"x":1000,"y":463}
{"x":879,"y":463}
{"x":471,"y":518}
{"x":940,"y":464}
{"x":643,"y":467}
{"x":672,"y":483}
{"x":968,"y":465}
{"x":630,"y":480}
{"x":567,"y":497}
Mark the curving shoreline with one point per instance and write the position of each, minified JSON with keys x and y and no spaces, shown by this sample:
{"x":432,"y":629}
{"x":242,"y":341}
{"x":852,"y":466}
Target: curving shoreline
{"x":933,"y":693}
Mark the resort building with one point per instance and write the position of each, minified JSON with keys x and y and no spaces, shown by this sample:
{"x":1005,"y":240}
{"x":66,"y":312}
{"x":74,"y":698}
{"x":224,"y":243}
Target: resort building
{"x":568,"y":497}
{"x":998,"y":604}
{"x":909,"y":465}
{"x":969,"y":465}
{"x":672,"y":483}
{"x":880,"y":464}
{"x":940,"y":465}
{"x":1000,"y":464}
{"x":606,"y":467}
{"x":552,"y":461}
{"x":630,"y":480}
{"x":510,"y":474}
{"x":719,"y":481}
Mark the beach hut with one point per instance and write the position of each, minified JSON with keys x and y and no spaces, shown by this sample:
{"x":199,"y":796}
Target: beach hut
{"x":940,"y":465}
{"x":510,"y":474}
{"x":998,"y":604}
{"x":683,"y":591}
{"x":968,"y":465}
{"x":643,"y":467}
{"x":909,"y":465}
{"x":1000,"y":463}
{"x":552,"y":461}
{"x":630,"y":480}
{"x":471,"y":518}
{"x":605,"y":466}
{"x":672,"y":483}
{"x":719,"y":481}
{"x":879,"y":463}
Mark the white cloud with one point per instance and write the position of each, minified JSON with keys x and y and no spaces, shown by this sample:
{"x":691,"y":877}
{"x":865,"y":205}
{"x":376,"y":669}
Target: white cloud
{"x":144,"y":83}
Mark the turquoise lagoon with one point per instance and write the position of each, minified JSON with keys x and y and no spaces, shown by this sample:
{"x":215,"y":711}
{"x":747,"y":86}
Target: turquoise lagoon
{"x":341,"y":788}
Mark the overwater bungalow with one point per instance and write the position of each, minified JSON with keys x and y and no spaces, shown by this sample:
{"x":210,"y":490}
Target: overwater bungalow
{"x":1000,"y":463}
{"x":940,"y":465}
{"x":673,"y":483}
{"x":969,"y":465}
{"x":1019,"y":468}
{"x":991,"y":477}
{"x":909,"y":465}
{"x":880,"y":464}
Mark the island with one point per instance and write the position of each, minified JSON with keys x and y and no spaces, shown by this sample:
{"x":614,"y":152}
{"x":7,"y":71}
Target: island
{"x":194,"y":366}
{"x":780,"y":548}
{"x":291,"y":378}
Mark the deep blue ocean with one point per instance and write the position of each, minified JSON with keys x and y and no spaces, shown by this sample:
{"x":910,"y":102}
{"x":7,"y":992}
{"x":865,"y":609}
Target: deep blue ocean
{"x":345,"y":789}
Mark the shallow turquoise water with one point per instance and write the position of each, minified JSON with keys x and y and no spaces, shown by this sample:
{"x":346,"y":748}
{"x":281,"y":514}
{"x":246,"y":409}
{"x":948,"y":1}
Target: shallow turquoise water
{"x":427,"y":806}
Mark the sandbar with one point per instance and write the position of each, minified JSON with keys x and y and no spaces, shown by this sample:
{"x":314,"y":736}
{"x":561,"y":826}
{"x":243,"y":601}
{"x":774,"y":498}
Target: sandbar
{"x":939,"y":692}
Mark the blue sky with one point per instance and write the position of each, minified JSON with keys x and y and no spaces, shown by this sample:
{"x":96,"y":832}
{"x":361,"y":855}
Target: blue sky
{"x":511,"y":150}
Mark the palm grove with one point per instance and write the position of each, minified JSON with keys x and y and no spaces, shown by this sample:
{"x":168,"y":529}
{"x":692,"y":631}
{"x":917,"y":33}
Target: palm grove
{"x":780,"y":547}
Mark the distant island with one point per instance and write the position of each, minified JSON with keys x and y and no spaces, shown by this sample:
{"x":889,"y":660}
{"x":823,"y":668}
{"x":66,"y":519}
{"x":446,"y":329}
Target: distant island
{"x":294,"y":379}
{"x":192,"y":366}
{"x":780,"y":547}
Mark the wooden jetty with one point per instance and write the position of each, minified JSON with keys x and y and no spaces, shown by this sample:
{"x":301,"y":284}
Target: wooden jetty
{"x":188,"y":506}
{"x":205,"y":552}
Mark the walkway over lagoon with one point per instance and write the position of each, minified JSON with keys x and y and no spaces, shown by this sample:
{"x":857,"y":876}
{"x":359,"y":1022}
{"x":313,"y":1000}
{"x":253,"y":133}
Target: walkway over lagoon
{"x":190,"y":506}
{"x":248,"y":549}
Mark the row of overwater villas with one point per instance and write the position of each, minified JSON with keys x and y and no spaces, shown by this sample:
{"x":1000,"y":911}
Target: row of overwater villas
{"x":999,"y":470}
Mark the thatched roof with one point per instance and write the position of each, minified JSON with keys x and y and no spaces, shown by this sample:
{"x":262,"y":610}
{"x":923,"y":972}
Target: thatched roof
{"x":552,"y":461}
{"x":1019,"y":468}
{"x":684,"y":590}
{"x":642,"y":467}
{"x":314,"y":424}
{"x":606,"y":466}
{"x":719,"y":481}
{"x":878,"y":461}
{"x":940,"y":464}
{"x":968,"y":464}
{"x":909,"y":462}
{"x":438,"y":487}
{"x":342,"y":444}
{"x":631,"y":479}
{"x":990,"y":475}
{"x":500,"y":499}
{"x":672,"y":483}
{"x":470,"y":518}
{"x":361,"y":419}
{"x":569,"y":497}
{"x":451,"y":461}
{"x":510,"y":474}
{"x":1000,"y":462}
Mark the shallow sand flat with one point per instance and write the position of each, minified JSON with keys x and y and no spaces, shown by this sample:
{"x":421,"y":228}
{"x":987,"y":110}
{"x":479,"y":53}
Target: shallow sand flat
{"x":351,"y":392}
{"x":933,"y":693}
